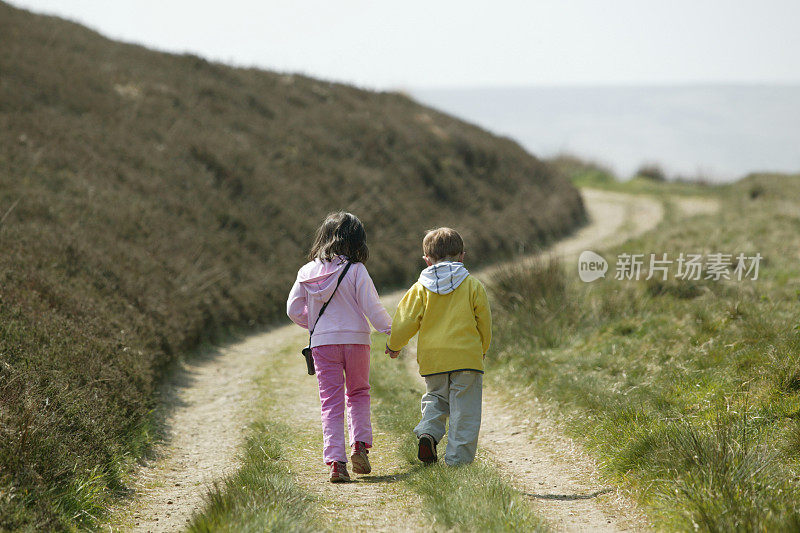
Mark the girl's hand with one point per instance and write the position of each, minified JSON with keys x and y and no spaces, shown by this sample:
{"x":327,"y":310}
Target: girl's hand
{"x":391,"y":353}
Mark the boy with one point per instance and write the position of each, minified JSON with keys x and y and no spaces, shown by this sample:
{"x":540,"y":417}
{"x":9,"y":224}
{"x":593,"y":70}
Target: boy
{"x":450,"y":310}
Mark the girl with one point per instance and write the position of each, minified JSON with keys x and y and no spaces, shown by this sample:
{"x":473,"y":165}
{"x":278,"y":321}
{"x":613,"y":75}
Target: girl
{"x":340,"y":338}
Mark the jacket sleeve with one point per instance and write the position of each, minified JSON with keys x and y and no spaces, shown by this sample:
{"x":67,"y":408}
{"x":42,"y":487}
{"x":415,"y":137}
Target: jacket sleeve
{"x":483,"y":315}
{"x":296,"y":306}
{"x":407,"y":318}
{"x":369,"y":302}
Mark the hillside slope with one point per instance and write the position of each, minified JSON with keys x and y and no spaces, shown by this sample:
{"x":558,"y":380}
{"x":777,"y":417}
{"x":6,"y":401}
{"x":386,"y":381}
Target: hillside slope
{"x":150,"y":201}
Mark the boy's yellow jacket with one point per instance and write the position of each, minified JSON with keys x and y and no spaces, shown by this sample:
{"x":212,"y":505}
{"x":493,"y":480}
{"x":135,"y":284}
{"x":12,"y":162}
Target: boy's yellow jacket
{"x":455,"y":329}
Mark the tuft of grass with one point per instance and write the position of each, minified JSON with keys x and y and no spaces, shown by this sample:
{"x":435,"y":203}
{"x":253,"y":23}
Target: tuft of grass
{"x":687,"y":392}
{"x":466,"y":498}
{"x":729,"y":478}
{"x":652,"y":172}
{"x":262,"y":495}
{"x":473,"y":498}
{"x":536,"y":303}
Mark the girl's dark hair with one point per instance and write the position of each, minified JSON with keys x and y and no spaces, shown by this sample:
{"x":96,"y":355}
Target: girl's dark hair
{"x":340,"y":234}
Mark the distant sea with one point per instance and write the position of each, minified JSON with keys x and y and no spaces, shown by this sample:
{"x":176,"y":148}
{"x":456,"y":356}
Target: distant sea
{"x":717,"y":132}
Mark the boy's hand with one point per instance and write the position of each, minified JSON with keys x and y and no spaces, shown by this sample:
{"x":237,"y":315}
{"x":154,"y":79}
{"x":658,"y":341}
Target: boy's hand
{"x":391,"y":353}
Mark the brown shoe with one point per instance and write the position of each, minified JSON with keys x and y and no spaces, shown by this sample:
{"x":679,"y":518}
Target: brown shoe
{"x":360,"y":460}
{"x":427,"y":449}
{"x":339,"y":472}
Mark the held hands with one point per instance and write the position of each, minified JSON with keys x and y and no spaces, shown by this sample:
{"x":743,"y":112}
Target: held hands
{"x":391,"y":353}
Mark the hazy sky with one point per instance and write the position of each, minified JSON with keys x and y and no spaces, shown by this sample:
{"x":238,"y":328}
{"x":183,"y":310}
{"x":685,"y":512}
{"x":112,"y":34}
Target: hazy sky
{"x":412,"y":43}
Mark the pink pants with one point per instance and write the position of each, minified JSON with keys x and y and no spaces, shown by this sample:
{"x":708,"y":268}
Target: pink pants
{"x":330,"y":361}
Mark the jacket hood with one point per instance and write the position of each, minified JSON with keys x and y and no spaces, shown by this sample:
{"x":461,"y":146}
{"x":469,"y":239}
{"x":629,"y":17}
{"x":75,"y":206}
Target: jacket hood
{"x":319,"y":277}
{"x":444,"y":277}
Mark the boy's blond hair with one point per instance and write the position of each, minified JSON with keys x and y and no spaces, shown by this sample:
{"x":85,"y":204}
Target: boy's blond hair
{"x":442,"y":243}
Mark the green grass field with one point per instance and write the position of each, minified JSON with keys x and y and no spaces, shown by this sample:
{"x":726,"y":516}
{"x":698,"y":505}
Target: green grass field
{"x":688,"y":392}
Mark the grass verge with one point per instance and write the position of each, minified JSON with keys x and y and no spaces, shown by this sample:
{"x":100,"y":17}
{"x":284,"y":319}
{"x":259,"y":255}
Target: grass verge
{"x":687,"y":391}
{"x":262,"y":495}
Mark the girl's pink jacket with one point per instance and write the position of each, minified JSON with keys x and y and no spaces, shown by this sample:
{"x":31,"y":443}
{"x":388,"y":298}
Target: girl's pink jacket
{"x":345,"y":319}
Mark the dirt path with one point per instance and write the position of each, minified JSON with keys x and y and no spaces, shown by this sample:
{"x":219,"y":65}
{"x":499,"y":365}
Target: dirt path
{"x":551,"y":469}
{"x":209,"y":406}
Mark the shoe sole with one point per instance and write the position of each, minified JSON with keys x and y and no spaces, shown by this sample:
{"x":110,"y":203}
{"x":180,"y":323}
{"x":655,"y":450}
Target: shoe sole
{"x":426,"y":451}
{"x":340,"y":480}
{"x":360,"y":464}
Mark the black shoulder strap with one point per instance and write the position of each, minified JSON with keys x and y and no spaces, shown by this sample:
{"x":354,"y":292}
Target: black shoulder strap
{"x":325,"y":305}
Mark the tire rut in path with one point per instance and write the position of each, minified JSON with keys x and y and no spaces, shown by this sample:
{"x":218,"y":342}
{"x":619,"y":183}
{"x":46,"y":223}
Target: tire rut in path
{"x":376,"y":502}
{"x":207,"y":403}
{"x":520,"y":437}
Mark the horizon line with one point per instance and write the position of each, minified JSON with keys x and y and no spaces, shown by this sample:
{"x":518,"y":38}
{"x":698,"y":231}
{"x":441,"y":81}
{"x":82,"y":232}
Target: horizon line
{"x":601,"y":85}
